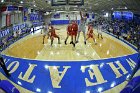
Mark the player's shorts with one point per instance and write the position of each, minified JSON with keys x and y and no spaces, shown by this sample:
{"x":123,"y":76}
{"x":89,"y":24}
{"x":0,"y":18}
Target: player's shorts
{"x":74,"y":33}
{"x":69,"y":33}
{"x":45,"y":33}
{"x":54,"y":36}
{"x":99,"y":32}
{"x":90,"y":36}
{"x":82,"y":28}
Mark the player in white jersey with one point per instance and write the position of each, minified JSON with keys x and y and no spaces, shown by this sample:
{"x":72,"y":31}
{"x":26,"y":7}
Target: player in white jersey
{"x":82,"y":27}
{"x":46,"y":31}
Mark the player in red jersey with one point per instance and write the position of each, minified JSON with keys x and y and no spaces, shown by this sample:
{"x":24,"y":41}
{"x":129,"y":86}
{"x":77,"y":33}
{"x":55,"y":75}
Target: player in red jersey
{"x":53,"y":35}
{"x":90,"y":33}
{"x":90,"y":25}
{"x":69,"y":32}
{"x":74,"y":32}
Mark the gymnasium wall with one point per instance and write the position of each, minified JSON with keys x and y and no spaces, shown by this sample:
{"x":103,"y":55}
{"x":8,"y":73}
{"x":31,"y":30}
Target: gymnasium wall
{"x":17,"y":24}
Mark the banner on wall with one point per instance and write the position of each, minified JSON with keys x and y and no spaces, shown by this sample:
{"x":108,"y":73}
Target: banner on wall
{"x":25,"y":17}
{"x":125,"y":15}
{"x":5,"y":32}
{"x":56,"y":16}
{"x":117,"y":15}
{"x":70,"y":77}
{"x":12,"y":8}
{"x":8,"y":19}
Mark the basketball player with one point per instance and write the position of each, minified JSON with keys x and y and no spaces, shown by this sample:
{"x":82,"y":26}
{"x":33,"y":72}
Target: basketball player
{"x":99,"y":30}
{"x":53,"y":35}
{"x":74,"y":32}
{"x":82,"y":27}
{"x":69,"y":32}
{"x":90,"y":33}
{"x":46,"y":32}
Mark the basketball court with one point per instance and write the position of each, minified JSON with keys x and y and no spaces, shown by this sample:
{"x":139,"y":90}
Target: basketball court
{"x":35,"y":67}
{"x":109,"y":47}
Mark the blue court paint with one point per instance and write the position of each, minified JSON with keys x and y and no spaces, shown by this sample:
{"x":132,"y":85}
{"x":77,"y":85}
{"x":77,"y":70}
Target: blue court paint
{"x":74,"y":79}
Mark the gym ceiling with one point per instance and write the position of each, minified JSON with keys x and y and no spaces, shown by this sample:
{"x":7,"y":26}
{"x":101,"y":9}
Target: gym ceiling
{"x":89,"y":5}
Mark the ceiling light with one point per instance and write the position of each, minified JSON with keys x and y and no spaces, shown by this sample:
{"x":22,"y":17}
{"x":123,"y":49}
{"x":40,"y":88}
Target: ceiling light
{"x":125,"y":7}
{"x":21,"y":2}
{"x":2,"y":1}
{"x":96,"y":4}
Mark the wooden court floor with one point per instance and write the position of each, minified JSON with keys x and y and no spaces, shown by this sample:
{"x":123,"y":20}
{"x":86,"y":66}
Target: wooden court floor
{"x":31,"y":47}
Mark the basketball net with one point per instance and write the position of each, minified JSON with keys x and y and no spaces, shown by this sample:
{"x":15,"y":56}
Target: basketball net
{"x":67,"y":8}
